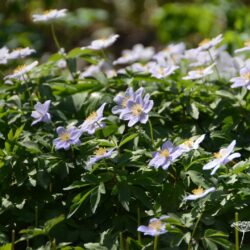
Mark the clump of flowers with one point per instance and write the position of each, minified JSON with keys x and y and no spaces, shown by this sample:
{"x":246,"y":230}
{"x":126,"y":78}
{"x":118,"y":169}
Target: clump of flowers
{"x":133,"y":107}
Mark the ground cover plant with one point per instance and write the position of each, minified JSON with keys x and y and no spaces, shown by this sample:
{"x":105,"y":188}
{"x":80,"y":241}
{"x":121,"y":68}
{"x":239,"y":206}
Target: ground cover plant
{"x":147,"y":150}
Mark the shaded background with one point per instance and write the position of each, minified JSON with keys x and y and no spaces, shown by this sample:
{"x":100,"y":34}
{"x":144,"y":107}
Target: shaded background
{"x":154,"y":22}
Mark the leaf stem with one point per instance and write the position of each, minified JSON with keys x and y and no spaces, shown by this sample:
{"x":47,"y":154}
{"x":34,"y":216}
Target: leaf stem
{"x":156,"y":240}
{"x":236,"y":232}
{"x":121,"y":241}
{"x":12,"y":239}
{"x":151,"y":133}
{"x":54,"y":37}
{"x":138,"y":223}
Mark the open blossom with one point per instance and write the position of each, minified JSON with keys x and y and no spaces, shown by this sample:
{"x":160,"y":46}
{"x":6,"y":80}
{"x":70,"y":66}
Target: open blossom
{"x":49,"y":15}
{"x":137,"y":110}
{"x":208,"y":44}
{"x":243,"y":80}
{"x":41,"y":113}
{"x":161,"y":71}
{"x":138,"y":53}
{"x":4,"y":55}
{"x":99,"y":154}
{"x":222,"y":158}
{"x":67,"y":137}
{"x":199,"y":73}
{"x":199,"y":193}
{"x":191,"y":143}
{"x":21,"y":53}
{"x":20,"y":71}
{"x":122,"y":99}
{"x":155,"y":227}
{"x":102,"y":43}
{"x":165,"y":156}
{"x":93,"y":121}
{"x":245,"y":48}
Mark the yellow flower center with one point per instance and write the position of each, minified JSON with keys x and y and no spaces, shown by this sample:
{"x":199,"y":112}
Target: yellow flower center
{"x":125,"y":101}
{"x":204,"y":42}
{"x":18,"y":49}
{"x":65,"y":136}
{"x":221,"y":153}
{"x":136,"y":109}
{"x":198,"y":191}
{"x":160,"y":70}
{"x":247,"y":43}
{"x":247,"y":75}
{"x":164,"y":153}
{"x":19,"y":68}
{"x":92,"y":116}
{"x":156,"y":225}
{"x":199,"y":71}
{"x":100,"y":151}
{"x":189,"y":143}
{"x":47,"y":12}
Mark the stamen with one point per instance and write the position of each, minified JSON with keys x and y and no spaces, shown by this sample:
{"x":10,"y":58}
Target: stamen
{"x":92,"y":116}
{"x":198,"y":191}
{"x":204,"y":42}
{"x":137,"y":109}
{"x":164,"y":153}
{"x":65,"y":136}
{"x":156,"y":225}
{"x":100,"y":151}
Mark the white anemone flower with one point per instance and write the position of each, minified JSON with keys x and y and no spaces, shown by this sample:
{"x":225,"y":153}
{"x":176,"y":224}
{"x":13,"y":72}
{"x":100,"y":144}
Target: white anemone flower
{"x":222,"y":157}
{"x":102,"y":43}
{"x":199,"y":73}
{"x":49,"y":15}
{"x":21,"y":53}
{"x":199,"y":193}
{"x":161,"y":71}
{"x":243,"y":80}
{"x":245,"y":48}
{"x":21,"y":70}
{"x":4,"y":55}
{"x":208,"y":44}
{"x":138,"y":53}
{"x":191,"y":143}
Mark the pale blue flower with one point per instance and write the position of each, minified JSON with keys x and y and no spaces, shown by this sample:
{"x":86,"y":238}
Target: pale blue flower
{"x":93,"y":121}
{"x":100,"y":153}
{"x":122,"y":100}
{"x":41,"y":113}
{"x":67,"y":137}
{"x":165,"y":156}
{"x":191,"y":143}
{"x":199,"y":193}
{"x":222,"y":158}
{"x":243,"y":80}
{"x":137,"y":110}
{"x":155,"y":227}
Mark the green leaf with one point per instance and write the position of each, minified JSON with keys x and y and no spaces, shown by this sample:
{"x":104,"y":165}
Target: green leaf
{"x":96,"y":197}
{"x":127,"y":139}
{"x":52,"y":223}
{"x":193,"y":111}
{"x":6,"y":247}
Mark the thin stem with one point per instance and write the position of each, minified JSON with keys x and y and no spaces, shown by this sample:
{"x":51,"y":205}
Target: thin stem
{"x":121,"y":241}
{"x":138,"y":223}
{"x":213,"y":61}
{"x":195,"y":228}
{"x":236,"y":232}
{"x":36,"y":216}
{"x":241,"y":242}
{"x":54,"y":37}
{"x":12,"y":239}
{"x":151,"y":133}
{"x":128,"y":243}
{"x":156,"y":240}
